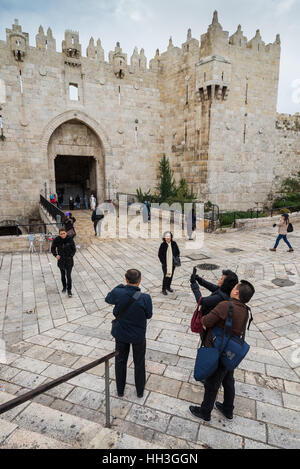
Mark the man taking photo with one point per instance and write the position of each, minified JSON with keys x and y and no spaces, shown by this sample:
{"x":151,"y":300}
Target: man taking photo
{"x":239,"y":297}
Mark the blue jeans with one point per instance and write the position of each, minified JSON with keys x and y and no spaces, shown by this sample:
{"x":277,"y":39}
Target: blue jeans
{"x":280,"y":237}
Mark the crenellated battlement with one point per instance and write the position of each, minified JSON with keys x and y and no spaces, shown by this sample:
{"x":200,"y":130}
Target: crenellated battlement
{"x":215,"y":41}
{"x":288,"y":122}
{"x":209,"y":105}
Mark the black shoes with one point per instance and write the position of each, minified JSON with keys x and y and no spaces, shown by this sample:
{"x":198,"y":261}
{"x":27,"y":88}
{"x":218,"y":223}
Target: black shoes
{"x":69,"y":294}
{"x":197,"y":412}
{"x":164,"y":293}
{"x":228,"y":415}
{"x":64,"y":290}
{"x":170,"y":290}
{"x":141,"y":395}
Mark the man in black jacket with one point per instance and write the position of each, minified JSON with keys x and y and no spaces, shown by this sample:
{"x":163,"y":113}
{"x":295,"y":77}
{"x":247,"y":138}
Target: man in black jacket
{"x":132,"y":309}
{"x":220,"y":292}
{"x":96,"y":217}
{"x":63,"y":249}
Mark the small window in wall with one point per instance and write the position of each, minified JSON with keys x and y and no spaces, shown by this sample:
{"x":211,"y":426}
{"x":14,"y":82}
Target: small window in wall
{"x":1,"y":123}
{"x":73,"y":92}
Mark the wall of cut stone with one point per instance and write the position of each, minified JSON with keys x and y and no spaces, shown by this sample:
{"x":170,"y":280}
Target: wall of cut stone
{"x":210,"y":106}
{"x":123,"y":114}
{"x":287,"y":136}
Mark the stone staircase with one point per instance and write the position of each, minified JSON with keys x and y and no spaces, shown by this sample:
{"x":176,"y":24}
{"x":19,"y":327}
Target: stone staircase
{"x":84,"y":228}
{"x":35,"y":426}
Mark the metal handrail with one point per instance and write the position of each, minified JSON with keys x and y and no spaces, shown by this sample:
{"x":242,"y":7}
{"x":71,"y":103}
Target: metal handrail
{"x":46,"y":387}
{"x":52,"y":209}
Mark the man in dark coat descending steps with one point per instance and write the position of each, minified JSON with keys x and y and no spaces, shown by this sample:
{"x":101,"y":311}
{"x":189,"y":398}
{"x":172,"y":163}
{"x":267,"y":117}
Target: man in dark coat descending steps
{"x":63,"y":249}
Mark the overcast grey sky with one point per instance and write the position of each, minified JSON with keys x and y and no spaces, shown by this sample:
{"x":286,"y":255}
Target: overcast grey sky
{"x":150,"y":23}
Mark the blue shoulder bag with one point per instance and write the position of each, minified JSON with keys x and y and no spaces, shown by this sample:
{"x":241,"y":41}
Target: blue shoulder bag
{"x":232,"y":348}
{"x":228,"y":348}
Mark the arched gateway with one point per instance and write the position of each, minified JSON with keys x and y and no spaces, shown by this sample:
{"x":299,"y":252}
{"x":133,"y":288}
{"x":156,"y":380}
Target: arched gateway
{"x":76,"y":148}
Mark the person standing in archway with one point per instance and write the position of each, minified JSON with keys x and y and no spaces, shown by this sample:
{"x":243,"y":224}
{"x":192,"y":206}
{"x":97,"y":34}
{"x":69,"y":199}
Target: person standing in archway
{"x":78,"y":201}
{"x":86,"y":201}
{"x":93,"y":202}
{"x":71,"y":203}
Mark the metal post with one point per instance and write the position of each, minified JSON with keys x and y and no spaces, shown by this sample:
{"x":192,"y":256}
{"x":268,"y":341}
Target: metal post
{"x":234,"y":224}
{"x":107,"y":395}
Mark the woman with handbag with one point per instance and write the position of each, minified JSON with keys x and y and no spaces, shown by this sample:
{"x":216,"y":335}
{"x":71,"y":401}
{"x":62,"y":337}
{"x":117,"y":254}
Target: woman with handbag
{"x":169,"y":256}
{"x":69,"y":225}
{"x":284,"y":227}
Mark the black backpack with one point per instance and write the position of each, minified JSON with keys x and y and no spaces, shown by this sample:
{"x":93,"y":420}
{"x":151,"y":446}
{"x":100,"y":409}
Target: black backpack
{"x":290,"y":228}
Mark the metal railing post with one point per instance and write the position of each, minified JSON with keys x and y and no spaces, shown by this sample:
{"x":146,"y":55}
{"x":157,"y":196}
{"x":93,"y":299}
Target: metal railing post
{"x":107,"y":395}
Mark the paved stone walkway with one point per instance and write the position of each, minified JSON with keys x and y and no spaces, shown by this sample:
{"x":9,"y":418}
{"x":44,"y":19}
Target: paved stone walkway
{"x":47,"y":334}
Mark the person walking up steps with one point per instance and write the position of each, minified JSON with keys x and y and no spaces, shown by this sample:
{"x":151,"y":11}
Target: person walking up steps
{"x":283,"y":231}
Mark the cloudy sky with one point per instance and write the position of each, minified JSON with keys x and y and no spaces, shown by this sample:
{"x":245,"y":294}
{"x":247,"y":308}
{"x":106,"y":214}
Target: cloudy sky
{"x":150,"y":23}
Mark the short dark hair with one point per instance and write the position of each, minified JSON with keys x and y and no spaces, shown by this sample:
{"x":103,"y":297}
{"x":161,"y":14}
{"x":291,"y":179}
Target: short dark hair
{"x":133,"y":276}
{"x":230,"y":281}
{"x":62,"y":229}
{"x":246,"y":291}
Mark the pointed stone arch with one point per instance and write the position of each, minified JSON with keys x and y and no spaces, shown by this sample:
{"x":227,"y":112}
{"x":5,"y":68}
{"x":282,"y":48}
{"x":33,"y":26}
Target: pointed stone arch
{"x":101,"y":135}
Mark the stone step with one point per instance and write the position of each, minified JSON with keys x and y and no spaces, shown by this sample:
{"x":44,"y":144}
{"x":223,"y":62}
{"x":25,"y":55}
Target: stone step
{"x":46,"y":426}
{"x":14,"y":437}
{"x":37,"y":426}
{"x":111,"y":439}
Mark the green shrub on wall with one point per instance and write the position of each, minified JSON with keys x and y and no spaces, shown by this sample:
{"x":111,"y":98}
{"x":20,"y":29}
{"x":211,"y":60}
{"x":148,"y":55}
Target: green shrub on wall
{"x":167,"y":191}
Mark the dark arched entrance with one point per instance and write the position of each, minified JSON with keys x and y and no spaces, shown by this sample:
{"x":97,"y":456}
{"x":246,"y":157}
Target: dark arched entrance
{"x":76,"y":157}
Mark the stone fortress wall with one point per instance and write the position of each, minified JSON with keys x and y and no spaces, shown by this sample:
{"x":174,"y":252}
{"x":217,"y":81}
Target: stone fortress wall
{"x":209,"y":105}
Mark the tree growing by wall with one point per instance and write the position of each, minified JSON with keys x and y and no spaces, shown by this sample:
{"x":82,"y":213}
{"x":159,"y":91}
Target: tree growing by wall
{"x":167,"y":191}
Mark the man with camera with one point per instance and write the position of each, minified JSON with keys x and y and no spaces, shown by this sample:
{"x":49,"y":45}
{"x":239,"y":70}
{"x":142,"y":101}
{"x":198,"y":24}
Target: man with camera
{"x":239,"y":297}
{"x":131,"y":311}
{"x":220,"y":292}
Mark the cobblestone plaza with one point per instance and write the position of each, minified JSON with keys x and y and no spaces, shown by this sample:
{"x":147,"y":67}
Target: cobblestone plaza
{"x":47,"y":334}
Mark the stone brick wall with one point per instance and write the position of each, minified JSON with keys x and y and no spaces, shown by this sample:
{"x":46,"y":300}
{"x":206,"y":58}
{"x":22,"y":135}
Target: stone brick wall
{"x":287,"y":137}
{"x":209,"y":105}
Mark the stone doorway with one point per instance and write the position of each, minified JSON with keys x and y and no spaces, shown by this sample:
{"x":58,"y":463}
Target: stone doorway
{"x":75,"y":175}
{"x":76,"y":161}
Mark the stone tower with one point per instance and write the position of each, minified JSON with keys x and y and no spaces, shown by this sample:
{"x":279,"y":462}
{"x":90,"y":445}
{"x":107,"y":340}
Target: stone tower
{"x":84,"y":124}
{"x":220,"y":113}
